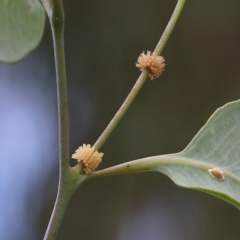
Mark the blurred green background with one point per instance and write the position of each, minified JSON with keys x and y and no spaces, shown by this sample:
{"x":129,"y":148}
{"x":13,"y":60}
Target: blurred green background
{"x":103,"y":41}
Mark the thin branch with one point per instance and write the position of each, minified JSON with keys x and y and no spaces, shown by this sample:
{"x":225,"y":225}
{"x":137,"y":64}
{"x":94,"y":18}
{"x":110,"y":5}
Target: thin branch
{"x":56,"y":17}
{"x":69,"y":178}
{"x":169,"y":28}
{"x":138,"y":85}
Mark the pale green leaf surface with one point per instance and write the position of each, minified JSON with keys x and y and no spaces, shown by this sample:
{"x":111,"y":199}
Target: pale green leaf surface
{"x":21,"y":28}
{"x":217,"y":144}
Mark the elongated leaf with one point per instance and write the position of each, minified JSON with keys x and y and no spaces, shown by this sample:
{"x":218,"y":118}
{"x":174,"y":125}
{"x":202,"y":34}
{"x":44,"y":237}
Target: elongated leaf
{"x":217,"y":145}
{"x":21,"y":28}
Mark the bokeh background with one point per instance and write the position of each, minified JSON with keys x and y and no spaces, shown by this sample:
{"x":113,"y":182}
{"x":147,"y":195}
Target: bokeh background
{"x":103,"y":40}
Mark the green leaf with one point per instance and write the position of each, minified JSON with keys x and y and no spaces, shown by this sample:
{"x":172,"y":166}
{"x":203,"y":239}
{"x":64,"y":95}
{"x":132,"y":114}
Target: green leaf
{"x":216,"y":145}
{"x":21,"y":28}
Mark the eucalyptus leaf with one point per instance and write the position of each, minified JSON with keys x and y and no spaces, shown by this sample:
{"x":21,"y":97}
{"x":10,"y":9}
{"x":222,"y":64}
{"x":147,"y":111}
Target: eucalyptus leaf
{"x":21,"y":28}
{"x":216,"y":145}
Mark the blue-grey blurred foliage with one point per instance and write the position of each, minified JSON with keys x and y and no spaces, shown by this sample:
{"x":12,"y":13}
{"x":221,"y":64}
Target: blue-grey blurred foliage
{"x":103,"y":41}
